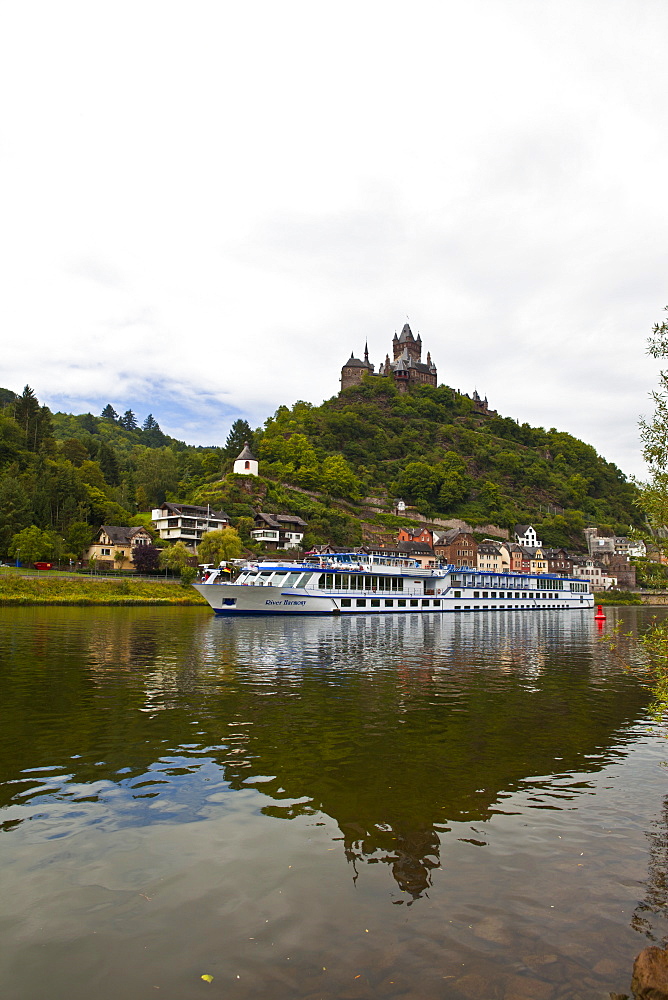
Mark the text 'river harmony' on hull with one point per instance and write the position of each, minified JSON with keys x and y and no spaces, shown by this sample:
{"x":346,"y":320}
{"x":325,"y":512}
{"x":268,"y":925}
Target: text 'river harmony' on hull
{"x":348,"y":583}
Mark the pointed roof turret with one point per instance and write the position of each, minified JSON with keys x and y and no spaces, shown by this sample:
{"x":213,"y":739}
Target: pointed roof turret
{"x":354,"y":362}
{"x":246,"y":455}
{"x":366,"y":351}
{"x":406,"y":334}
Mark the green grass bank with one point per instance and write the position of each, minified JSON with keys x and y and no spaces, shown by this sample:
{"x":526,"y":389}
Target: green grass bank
{"x":618,"y":597}
{"x":23,"y":590}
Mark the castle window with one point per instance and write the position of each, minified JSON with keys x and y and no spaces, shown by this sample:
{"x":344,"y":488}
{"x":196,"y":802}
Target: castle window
{"x":246,"y":465}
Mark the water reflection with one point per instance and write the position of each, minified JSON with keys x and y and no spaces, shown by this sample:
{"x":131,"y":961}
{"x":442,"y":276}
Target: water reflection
{"x":395,"y":727}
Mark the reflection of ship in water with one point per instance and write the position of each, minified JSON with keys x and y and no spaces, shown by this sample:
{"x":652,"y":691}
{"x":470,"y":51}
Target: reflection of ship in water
{"x":395,"y":727}
{"x":271,"y":642}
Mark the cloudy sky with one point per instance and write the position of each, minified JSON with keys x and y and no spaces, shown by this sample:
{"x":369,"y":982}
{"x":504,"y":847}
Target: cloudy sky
{"x":207,"y":206}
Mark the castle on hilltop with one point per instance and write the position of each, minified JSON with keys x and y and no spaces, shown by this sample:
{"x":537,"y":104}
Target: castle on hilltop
{"x":406,"y":368}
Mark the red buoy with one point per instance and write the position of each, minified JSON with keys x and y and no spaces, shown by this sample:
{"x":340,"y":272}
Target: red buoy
{"x":599,"y":616}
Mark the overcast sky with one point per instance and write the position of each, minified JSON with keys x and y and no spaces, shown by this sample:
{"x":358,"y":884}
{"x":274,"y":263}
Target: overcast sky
{"x":207,"y":206}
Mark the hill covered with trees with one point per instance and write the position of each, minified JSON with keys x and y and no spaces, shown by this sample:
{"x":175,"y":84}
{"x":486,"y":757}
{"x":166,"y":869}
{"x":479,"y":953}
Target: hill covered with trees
{"x":340,"y":465}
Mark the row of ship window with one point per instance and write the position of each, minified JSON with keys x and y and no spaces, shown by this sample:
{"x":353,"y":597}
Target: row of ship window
{"x":503,"y":595}
{"x":523,"y":582}
{"x":343,"y":581}
{"x":376,"y":602}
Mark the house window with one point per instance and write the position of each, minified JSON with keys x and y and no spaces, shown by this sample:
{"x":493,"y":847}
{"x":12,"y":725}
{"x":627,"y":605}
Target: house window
{"x":105,"y":552}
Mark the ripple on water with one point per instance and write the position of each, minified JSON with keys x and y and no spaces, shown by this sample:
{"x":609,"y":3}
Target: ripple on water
{"x":359,"y":807}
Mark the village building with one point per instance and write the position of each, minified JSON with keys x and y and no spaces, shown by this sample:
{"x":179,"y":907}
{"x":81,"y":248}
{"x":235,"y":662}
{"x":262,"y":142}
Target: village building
{"x":635,"y":548}
{"x":606,"y":546}
{"x":457,"y":548}
{"x":425,"y":536}
{"x":187,"y":523}
{"x":525,"y":535}
{"x":621,"y":567}
{"x":512,"y":557}
{"x":594,"y":572}
{"x":489,"y":557}
{"x":246,"y":463}
{"x":278,"y":531}
{"x":114,"y":545}
{"x":423,"y":554}
{"x":558,"y":562}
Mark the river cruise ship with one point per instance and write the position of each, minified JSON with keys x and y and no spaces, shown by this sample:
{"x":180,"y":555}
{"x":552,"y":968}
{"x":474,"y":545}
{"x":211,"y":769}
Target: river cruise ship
{"x":352,"y":582}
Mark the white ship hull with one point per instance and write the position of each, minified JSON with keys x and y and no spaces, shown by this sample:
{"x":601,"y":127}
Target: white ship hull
{"x":228,"y":598}
{"x":354,"y":585}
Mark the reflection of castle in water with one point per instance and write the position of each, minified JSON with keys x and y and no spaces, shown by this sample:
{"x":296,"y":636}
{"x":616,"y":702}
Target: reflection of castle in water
{"x":396,"y":727}
{"x":429,"y":721}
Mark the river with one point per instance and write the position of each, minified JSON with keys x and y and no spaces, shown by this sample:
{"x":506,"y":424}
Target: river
{"x":363,"y":807}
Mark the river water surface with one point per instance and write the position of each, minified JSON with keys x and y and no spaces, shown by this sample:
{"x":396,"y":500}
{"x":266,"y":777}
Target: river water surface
{"x":368,"y":807}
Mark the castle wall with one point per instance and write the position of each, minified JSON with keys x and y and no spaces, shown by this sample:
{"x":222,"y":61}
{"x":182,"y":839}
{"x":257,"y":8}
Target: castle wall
{"x":351,"y":376}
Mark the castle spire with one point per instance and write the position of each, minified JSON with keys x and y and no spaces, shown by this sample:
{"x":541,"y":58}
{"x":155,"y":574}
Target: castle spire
{"x":366,"y":351}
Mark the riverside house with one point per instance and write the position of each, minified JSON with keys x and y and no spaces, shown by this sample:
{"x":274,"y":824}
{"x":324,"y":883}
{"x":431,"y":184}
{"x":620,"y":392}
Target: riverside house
{"x":113,"y":542}
{"x":187,"y":523}
{"x":279,"y":531}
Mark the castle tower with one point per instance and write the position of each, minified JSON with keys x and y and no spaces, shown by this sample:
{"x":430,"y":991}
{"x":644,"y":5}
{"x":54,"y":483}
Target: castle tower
{"x":353,"y":371}
{"x":406,"y":341}
{"x":406,"y":367}
{"x":246,"y":463}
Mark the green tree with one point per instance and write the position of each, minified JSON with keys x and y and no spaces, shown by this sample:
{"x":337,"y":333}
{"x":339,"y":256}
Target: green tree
{"x":151,"y":434}
{"x":109,"y":413}
{"x":188,"y":574}
{"x":75,"y":451}
{"x":129,"y":421}
{"x":31,"y":545}
{"x":654,"y":436}
{"x":338,"y":478}
{"x":78,"y":537}
{"x":244,"y":527}
{"x":419,"y":482}
{"x":15,"y":507}
{"x":240,"y":432}
{"x":141,"y":498}
{"x":175,"y":556}
{"x":33,"y":419}
{"x":219,"y":546}
{"x":157,"y":475}
{"x":108,"y":462}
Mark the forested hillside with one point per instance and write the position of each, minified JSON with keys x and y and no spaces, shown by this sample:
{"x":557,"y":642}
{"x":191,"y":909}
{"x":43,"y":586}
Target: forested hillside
{"x":435,"y":450}
{"x":68,"y":474}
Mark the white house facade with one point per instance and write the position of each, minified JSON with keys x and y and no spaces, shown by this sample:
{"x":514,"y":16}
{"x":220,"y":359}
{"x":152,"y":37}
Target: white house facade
{"x":187,"y":523}
{"x":526,"y":536}
{"x":246,"y":463}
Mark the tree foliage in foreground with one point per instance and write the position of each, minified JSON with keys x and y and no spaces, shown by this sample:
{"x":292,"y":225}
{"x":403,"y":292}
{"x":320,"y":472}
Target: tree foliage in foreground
{"x":219,"y":546}
{"x":654,"y":436}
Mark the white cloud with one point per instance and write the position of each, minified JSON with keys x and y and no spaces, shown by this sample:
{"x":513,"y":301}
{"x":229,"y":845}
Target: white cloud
{"x":205,"y":209}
